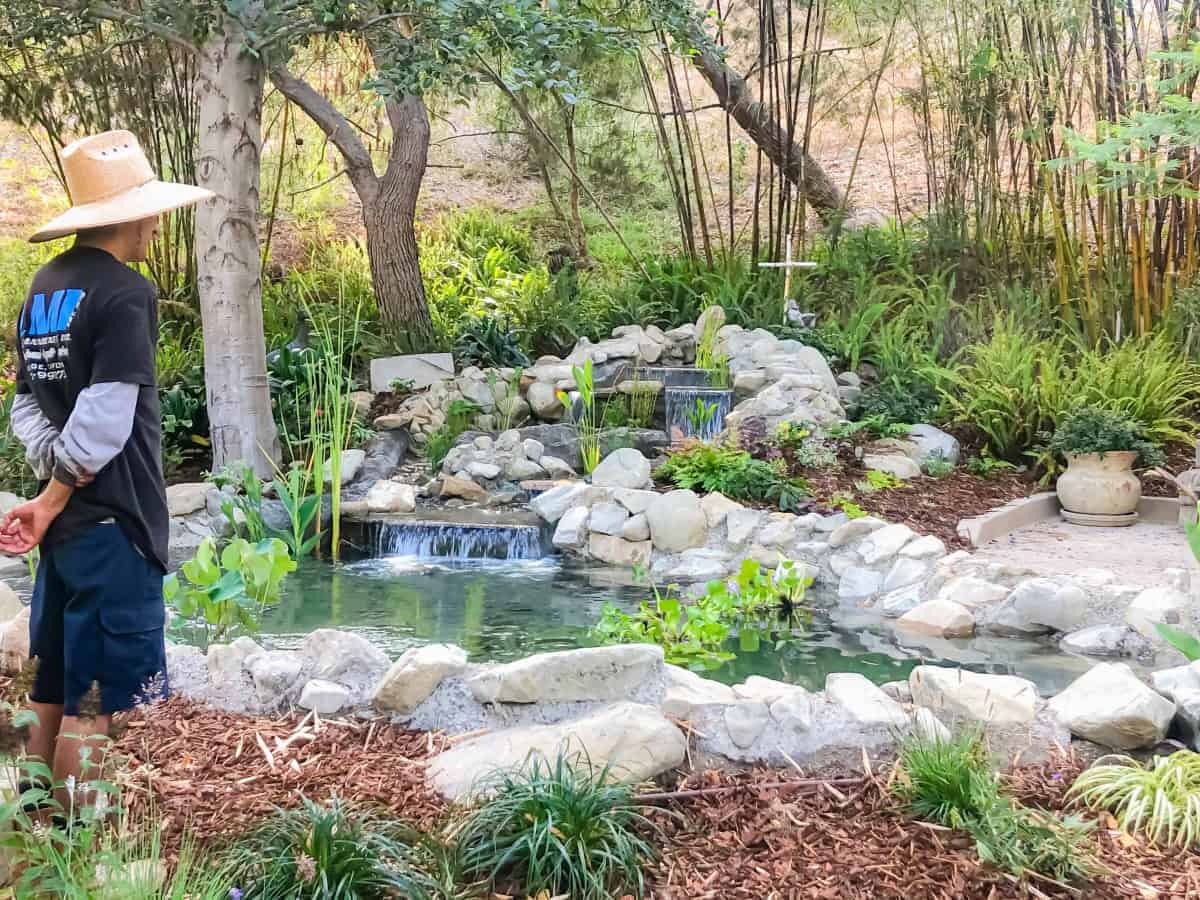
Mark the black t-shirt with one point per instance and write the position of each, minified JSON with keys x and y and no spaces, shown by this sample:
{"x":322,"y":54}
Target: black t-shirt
{"x":89,"y":319}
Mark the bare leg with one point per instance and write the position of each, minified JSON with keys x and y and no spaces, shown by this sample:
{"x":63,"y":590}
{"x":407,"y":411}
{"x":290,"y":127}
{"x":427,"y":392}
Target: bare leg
{"x":44,"y":733}
{"x":79,"y":736}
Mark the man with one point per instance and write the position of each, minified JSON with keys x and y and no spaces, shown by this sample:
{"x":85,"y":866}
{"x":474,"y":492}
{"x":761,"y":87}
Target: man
{"x":86,"y":410}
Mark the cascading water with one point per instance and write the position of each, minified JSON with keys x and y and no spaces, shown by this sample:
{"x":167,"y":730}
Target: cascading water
{"x":683,"y":411}
{"x":453,"y":541}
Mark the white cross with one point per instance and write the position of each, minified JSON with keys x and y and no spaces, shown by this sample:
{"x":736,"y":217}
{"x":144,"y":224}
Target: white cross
{"x":788,"y":264}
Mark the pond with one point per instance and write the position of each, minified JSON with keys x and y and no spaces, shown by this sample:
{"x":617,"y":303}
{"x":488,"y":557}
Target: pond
{"x":500,"y":610}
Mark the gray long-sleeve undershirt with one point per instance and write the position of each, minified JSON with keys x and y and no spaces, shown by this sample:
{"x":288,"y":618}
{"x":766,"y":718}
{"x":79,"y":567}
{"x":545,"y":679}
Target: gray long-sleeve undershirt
{"x":95,"y":432}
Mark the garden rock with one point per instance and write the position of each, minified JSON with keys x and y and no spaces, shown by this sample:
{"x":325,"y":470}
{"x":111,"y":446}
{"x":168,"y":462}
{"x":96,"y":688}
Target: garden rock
{"x":534,"y":450}
{"x":1182,"y":685}
{"x":902,"y":600}
{"x":929,"y":728}
{"x":858,"y":583}
{"x":973,"y":696}
{"x":608,"y":518}
{"x":391,"y":497}
{"x":347,"y":658}
{"x":677,"y":522}
{"x":924,"y":547}
{"x":636,"y":528}
{"x":633,"y":741}
{"x":694,"y":566}
{"x":905,"y":571}
{"x":741,"y":524}
{"x":865,"y":702}
{"x":617,"y":551}
{"x":543,"y":400}
{"x":415,"y":675}
{"x":352,"y":461}
{"x":883,"y":544}
{"x":422,"y":369}
{"x":275,"y":674}
{"x":933,"y":443}
{"x":717,"y":507}
{"x":323,"y":697}
{"x":14,"y":643}
{"x":519,"y":469}
{"x":185,"y":499}
{"x":780,"y":529}
{"x":1105,"y":640}
{"x":484,"y":470}
{"x":584,"y":675}
{"x":1154,"y":606}
{"x":465,"y":488}
{"x":624,"y":468}
{"x":972,"y":592}
{"x":555,"y":467}
{"x":941,"y":618}
{"x":226,"y":661}
{"x":854,"y":529}
{"x":1039,"y":606}
{"x":745,"y":721}
{"x":385,"y":454}
{"x":686,"y":690}
{"x":572,"y":530}
{"x":554,"y":503}
{"x":1110,"y":706}
{"x":768,"y":690}
{"x":893,"y":464}
{"x":10,"y":603}
{"x":793,"y":711}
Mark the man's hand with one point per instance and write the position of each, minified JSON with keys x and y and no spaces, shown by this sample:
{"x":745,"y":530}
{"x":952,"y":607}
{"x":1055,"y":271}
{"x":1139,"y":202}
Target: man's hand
{"x":25,"y":526}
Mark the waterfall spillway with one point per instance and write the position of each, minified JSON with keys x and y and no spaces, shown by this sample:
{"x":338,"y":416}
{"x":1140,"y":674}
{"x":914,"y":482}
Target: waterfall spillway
{"x":456,"y":541}
{"x":671,"y":376}
{"x":683,"y":411}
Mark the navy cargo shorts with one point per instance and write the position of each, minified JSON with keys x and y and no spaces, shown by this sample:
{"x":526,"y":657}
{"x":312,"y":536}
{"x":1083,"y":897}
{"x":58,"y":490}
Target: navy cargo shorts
{"x":97,"y":618}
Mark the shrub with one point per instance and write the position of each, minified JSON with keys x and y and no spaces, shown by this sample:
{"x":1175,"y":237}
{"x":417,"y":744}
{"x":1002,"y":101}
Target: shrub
{"x":734,"y":473}
{"x":490,"y":343}
{"x":557,"y":828}
{"x":15,"y":474}
{"x":459,"y":415}
{"x":950,"y":782}
{"x":899,"y":401}
{"x":1160,"y":799}
{"x":937,"y":467}
{"x":330,"y":852}
{"x":1092,"y":430}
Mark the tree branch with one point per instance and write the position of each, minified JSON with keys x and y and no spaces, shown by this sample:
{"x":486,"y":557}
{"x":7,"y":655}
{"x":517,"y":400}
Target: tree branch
{"x":336,"y":127}
{"x":108,"y":13}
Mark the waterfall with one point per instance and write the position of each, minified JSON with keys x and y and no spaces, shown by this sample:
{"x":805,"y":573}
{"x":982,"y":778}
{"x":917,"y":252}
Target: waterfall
{"x":450,"y":540}
{"x":682,"y":400}
{"x":671,"y":376}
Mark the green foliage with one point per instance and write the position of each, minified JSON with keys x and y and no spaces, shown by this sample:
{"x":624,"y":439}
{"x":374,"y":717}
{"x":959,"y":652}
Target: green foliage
{"x":589,"y":431}
{"x":459,"y":416}
{"x":695,"y":634}
{"x":331,"y":852}
{"x":734,"y":473}
{"x":1161,"y":800}
{"x":907,"y":401}
{"x":15,"y":474}
{"x":1185,"y":643}
{"x":242,"y":508}
{"x":92,"y":848}
{"x":642,"y":401}
{"x":302,"y":508}
{"x":950,"y":782}
{"x":220,"y":598}
{"x":879,"y":481}
{"x":1092,"y":430}
{"x":808,"y":450}
{"x":184,"y":422}
{"x":505,"y":394}
{"x":679,"y":289}
{"x":937,"y":466}
{"x":845,"y":502}
{"x":489,"y":342}
{"x":986,"y":466}
{"x":701,"y":415}
{"x":558,"y":828}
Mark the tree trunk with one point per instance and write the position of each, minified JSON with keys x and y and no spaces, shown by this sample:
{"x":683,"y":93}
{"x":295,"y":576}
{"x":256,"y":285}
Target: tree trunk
{"x":797,"y":166}
{"x":389,"y":215}
{"x":230,"y":88}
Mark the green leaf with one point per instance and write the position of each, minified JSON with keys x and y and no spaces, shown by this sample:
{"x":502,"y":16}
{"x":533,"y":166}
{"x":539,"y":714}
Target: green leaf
{"x":231,"y":586}
{"x":1185,"y":643}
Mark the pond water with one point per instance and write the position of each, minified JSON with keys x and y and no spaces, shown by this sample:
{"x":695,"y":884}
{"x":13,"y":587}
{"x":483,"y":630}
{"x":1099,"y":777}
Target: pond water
{"x":501,"y":610}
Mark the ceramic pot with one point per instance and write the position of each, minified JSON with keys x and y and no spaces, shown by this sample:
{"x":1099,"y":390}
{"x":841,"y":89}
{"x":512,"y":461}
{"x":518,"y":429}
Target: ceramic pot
{"x":1100,"y":484}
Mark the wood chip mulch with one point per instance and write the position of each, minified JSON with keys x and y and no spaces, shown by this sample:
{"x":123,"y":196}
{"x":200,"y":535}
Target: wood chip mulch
{"x":850,"y":842}
{"x":216,"y":773}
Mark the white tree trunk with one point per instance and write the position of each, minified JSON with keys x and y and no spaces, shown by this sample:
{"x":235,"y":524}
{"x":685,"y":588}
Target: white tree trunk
{"x":230,"y":88}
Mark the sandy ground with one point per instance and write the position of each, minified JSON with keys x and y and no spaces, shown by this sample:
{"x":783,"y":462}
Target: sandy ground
{"x":1135,"y":555}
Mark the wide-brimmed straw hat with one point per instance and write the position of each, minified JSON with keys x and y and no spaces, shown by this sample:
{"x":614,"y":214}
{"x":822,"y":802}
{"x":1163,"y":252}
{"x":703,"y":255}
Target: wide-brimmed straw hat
{"x":111,"y":182}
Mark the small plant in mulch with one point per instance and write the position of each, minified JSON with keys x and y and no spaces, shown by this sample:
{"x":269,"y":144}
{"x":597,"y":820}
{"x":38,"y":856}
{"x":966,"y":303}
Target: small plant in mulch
{"x":332,"y":852}
{"x":1161,"y":799}
{"x":559,"y":827}
{"x":950,"y":782}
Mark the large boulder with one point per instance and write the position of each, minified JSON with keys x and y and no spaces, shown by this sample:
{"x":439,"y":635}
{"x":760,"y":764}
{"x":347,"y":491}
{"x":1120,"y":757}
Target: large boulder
{"x":415,"y":675}
{"x":631,"y":742}
{"x":1106,"y":640}
{"x":554,"y":503}
{"x":391,"y":497}
{"x":970,"y":695}
{"x":384,"y":454}
{"x":941,"y":618}
{"x":587,"y":674}
{"x":572,"y":530}
{"x":349,"y":659}
{"x":617,"y":551}
{"x":687,"y":691}
{"x":624,"y":468}
{"x":933,"y":443}
{"x":561,"y":441}
{"x":1039,"y":606}
{"x":1109,"y":705}
{"x":881,"y":545}
{"x":226,"y":661}
{"x":188,"y":498}
{"x":1154,"y":606}
{"x":1181,"y":685}
{"x":863,"y":701}
{"x":276,"y":676}
{"x":677,"y":522}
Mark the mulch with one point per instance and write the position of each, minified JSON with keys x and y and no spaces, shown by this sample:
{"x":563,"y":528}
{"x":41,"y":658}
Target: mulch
{"x":849,"y":842}
{"x":216,"y":774}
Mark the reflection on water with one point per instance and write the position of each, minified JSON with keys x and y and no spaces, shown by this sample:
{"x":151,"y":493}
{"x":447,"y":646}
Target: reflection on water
{"x":501,"y":610}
